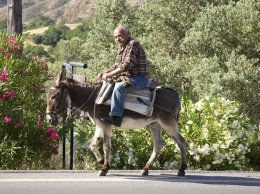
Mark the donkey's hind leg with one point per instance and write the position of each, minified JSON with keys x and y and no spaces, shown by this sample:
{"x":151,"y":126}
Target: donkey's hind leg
{"x":93,"y":145}
{"x":172,"y":131}
{"x":157,"y":146}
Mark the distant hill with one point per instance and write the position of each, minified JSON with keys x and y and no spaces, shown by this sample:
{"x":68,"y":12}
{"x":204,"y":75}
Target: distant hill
{"x":67,"y":11}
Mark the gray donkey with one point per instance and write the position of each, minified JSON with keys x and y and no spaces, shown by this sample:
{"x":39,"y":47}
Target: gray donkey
{"x":66,"y":91}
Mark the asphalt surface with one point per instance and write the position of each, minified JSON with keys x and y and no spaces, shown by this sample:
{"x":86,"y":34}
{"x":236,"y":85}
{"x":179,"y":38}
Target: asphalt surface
{"x":128,"y":182}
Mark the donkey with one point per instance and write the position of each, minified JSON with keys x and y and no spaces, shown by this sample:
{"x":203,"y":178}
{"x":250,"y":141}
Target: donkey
{"x":66,"y":91}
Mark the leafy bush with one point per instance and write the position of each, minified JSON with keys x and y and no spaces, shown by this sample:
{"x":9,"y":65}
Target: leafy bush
{"x":53,"y":35}
{"x":26,"y":141}
{"x":32,"y":51}
{"x":217,"y":136}
{"x":39,"y":21}
{"x":3,"y":26}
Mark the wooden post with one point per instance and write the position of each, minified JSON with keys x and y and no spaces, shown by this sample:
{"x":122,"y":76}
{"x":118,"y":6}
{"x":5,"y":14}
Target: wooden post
{"x":14,"y":17}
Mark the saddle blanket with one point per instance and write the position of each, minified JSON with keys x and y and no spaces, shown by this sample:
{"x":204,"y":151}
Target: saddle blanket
{"x":140,"y":101}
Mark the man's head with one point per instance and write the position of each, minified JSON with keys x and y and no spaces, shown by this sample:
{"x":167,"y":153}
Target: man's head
{"x":121,"y":35}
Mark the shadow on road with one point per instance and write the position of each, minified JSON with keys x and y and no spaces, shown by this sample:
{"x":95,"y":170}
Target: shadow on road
{"x":203,"y":179}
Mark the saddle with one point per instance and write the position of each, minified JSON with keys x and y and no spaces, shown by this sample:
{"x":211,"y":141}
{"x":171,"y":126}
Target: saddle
{"x":140,"y":101}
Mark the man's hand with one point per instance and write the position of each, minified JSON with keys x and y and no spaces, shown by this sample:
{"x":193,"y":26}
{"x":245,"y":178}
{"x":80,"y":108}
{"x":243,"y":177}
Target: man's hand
{"x":106,"y":76}
{"x":100,"y":76}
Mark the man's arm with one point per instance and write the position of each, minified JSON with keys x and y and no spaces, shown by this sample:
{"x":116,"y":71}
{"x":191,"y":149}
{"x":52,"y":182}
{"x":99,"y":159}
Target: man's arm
{"x":110,"y":74}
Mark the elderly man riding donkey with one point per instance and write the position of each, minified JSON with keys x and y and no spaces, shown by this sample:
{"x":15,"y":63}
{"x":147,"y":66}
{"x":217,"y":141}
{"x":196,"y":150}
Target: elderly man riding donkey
{"x":124,"y":100}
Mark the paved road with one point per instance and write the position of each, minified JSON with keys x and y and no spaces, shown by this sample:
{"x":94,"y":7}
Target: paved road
{"x":128,"y":182}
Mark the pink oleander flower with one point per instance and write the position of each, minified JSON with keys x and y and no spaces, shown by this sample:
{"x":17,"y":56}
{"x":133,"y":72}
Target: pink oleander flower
{"x":7,"y":120}
{"x":17,"y":125}
{"x":3,"y":75}
{"x":50,"y":130}
{"x":9,"y":93}
{"x":33,"y":85}
{"x":3,"y":78}
{"x":53,"y":147}
{"x":11,"y":40}
{"x":39,"y":122}
{"x":15,"y":47}
{"x":56,"y":152}
{"x":5,"y":71}
{"x":54,"y":136}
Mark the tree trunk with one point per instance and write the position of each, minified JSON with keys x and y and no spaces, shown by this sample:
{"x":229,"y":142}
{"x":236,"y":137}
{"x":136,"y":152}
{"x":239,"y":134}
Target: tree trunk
{"x":14,"y":20}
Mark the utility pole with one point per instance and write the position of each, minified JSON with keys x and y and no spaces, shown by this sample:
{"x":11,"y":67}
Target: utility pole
{"x":14,"y":17}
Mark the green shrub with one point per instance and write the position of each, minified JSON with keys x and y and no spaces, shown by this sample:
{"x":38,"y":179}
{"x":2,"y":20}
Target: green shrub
{"x":217,"y":135}
{"x":26,"y":141}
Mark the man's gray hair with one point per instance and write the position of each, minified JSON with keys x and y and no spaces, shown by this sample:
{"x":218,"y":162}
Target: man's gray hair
{"x":124,"y":28}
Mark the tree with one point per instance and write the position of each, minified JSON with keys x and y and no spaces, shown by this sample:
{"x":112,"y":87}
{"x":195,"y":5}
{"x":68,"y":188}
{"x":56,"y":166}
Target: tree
{"x":32,"y":51}
{"x":54,"y":34}
{"x":223,"y":48}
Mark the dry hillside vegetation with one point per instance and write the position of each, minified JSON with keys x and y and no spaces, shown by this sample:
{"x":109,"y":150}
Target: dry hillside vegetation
{"x":67,"y":11}
{"x":43,"y":29}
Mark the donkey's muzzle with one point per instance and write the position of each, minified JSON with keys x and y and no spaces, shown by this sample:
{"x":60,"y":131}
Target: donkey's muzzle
{"x":52,"y":118}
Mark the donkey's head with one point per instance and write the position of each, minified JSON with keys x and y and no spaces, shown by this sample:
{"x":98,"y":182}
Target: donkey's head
{"x":58,"y":99}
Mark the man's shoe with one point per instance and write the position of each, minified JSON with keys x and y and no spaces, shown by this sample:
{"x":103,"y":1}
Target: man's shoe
{"x":114,"y":120}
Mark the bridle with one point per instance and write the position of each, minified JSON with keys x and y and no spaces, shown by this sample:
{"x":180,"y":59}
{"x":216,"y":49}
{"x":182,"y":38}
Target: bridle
{"x":55,"y":113}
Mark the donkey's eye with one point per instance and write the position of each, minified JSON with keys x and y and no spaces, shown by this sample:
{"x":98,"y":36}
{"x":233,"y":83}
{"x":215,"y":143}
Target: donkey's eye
{"x":53,"y":96}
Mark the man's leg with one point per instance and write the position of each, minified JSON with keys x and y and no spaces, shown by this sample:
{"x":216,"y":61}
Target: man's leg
{"x":118,"y":95}
{"x":118,"y":98}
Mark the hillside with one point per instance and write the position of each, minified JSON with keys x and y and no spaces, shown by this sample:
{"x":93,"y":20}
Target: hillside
{"x":67,"y":11}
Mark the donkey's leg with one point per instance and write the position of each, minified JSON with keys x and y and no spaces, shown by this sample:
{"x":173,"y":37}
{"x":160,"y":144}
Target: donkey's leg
{"x":93,"y":145}
{"x":107,"y":149}
{"x":172,"y":130}
{"x":157,"y":146}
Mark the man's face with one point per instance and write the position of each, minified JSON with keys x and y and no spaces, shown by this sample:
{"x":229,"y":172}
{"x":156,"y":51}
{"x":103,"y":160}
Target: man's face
{"x":120,"y":37}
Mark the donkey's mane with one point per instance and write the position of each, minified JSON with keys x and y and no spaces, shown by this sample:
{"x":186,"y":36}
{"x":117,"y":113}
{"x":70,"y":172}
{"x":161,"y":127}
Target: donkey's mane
{"x":82,"y":85}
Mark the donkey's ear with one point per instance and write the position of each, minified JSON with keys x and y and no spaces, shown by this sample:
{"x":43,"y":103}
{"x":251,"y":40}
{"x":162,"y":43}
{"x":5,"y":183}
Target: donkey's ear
{"x":61,"y":76}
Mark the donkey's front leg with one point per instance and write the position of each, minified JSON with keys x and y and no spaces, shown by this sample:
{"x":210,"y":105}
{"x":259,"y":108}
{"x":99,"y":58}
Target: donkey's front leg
{"x":107,"y":149}
{"x":93,"y":145}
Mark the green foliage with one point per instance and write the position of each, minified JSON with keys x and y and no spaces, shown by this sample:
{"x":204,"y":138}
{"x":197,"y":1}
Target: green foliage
{"x":25,"y":139}
{"x":253,"y":155}
{"x":162,"y":24}
{"x":40,"y":21}
{"x":217,"y":136}
{"x":37,"y":39}
{"x":31,"y":51}
{"x":81,"y":31}
{"x":53,"y":35}
{"x":70,"y":50}
{"x":3,"y":26}
{"x":221,"y":30}
{"x":224,"y":41}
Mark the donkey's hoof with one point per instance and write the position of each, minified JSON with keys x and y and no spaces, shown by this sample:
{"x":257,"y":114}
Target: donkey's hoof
{"x":102,"y":173}
{"x":144,"y":173}
{"x":181,"y":173}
